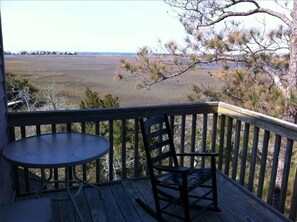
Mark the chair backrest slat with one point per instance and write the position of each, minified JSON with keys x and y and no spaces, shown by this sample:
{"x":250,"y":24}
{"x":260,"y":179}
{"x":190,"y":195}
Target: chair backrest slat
{"x":153,"y":121}
{"x":158,"y":142}
{"x":160,"y":157}
{"x":157,"y":133}
{"x":159,"y":145}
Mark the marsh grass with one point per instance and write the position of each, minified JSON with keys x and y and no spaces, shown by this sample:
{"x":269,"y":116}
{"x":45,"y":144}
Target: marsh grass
{"x":73,"y":74}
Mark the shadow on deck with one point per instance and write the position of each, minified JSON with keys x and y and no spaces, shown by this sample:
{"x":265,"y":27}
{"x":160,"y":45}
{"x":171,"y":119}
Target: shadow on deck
{"x":116,"y":202}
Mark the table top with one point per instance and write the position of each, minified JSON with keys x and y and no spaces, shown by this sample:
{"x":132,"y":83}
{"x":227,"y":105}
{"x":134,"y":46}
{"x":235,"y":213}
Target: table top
{"x":56,"y":150}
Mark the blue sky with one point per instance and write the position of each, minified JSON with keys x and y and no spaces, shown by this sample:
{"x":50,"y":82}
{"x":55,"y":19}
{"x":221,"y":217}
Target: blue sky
{"x":106,"y":26}
{"x":98,"y":26}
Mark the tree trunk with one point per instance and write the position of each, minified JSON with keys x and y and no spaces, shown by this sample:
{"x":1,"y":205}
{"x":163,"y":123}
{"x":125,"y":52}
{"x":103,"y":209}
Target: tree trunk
{"x":290,"y":114}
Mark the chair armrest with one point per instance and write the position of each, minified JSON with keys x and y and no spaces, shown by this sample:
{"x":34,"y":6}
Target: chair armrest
{"x":197,"y":154}
{"x":172,"y":169}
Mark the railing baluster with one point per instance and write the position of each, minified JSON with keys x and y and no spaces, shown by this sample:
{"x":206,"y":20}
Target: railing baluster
{"x":68,"y":127}
{"x":182,"y":138}
{"x":253,"y":159}
{"x":222,"y":137}
{"x":214,"y":132}
{"x":97,"y":126}
{"x":23,"y":132}
{"x":97,"y":162}
{"x":56,"y":177}
{"x":286,"y":171}
{"x":244,"y":153}
{"x":124,"y":147}
{"x":136,"y":148}
{"x":172,"y":133}
{"x":11,"y":134}
{"x":193,"y":137}
{"x":83,"y":127}
{"x":236,"y":149}
{"x":56,"y":173}
{"x":16,"y":179}
{"x":110,"y":167}
{"x":38,"y":130}
{"x":263,"y":163}
{"x":84,"y":166}
{"x":204,"y":137}
{"x":277,"y":145}
{"x":228,"y":146}
{"x":27,"y":179}
{"x":54,"y":128}
{"x":160,"y":139}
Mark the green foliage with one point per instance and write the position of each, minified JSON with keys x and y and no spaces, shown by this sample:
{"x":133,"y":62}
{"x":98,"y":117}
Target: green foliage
{"x":93,"y":101}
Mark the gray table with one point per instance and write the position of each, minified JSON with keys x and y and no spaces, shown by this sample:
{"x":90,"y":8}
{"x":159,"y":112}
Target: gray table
{"x":56,"y":151}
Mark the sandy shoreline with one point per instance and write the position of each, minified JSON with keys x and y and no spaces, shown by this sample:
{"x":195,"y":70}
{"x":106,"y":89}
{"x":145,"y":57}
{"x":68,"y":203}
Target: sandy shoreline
{"x":72,"y":74}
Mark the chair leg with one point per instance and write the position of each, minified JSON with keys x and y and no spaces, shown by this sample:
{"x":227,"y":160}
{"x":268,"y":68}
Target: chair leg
{"x":150,"y":210}
{"x":185,"y":199}
{"x":147,"y":208}
{"x":157,"y":202}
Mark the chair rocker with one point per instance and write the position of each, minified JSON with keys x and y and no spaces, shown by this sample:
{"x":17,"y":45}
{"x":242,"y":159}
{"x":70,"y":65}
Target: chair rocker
{"x":174,"y":185}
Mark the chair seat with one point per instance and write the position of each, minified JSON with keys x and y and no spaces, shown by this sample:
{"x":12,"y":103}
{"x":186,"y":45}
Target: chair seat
{"x":195,"y":177}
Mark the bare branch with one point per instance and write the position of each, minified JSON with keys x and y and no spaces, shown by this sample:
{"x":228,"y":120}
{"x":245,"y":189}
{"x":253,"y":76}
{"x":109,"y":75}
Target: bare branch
{"x":248,"y":13}
{"x":210,"y":12}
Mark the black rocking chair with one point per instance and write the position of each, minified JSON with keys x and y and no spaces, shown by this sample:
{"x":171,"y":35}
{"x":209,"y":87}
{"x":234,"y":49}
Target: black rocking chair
{"x":172,"y":184}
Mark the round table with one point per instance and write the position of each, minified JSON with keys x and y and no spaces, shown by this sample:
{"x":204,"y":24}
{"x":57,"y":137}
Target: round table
{"x":57,"y":150}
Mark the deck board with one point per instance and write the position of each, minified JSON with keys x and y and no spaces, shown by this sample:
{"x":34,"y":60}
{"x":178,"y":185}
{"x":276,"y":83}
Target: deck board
{"x":115,"y":202}
{"x":110,"y":204}
{"x":95,"y":204}
{"x":133,"y":194}
{"x":66,"y":209}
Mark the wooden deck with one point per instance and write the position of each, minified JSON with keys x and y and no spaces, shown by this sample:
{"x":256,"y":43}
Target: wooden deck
{"x":115,"y":202}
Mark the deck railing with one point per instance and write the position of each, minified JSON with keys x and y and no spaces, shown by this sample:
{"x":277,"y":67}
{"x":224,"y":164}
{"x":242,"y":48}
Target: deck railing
{"x":250,"y":145}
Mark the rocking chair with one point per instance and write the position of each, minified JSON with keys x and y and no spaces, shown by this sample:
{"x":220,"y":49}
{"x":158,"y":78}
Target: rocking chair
{"x":172,"y":184}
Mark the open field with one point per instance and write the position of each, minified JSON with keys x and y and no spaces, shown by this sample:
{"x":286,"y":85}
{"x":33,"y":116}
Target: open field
{"x":72,"y":74}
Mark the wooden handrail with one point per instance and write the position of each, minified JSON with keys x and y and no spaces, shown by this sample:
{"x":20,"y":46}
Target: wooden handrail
{"x":274,"y":125}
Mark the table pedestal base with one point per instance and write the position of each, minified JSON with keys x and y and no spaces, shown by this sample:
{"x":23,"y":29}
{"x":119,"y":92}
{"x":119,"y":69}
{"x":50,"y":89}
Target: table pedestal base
{"x":68,"y":184}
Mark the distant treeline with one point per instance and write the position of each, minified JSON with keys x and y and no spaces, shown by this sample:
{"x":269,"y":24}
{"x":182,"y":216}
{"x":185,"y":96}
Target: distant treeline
{"x":23,"y":52}
{"x":41,"y":52}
